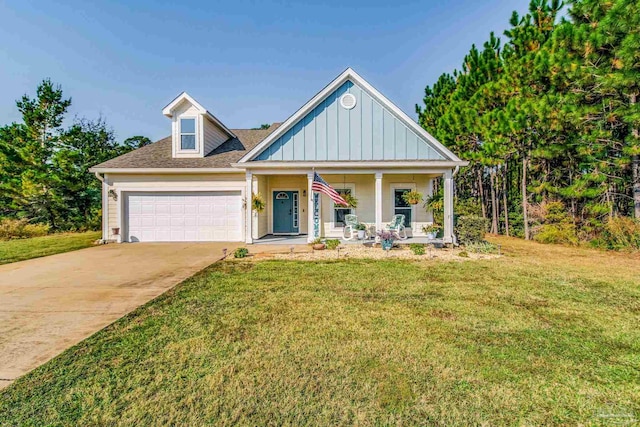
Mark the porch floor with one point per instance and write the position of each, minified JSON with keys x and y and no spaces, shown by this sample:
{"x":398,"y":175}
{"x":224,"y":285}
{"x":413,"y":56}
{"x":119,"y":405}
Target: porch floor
{"x":301,"y":239}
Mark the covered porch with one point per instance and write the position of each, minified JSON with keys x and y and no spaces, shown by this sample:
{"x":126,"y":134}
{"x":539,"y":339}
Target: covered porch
{"x":293,"y":215}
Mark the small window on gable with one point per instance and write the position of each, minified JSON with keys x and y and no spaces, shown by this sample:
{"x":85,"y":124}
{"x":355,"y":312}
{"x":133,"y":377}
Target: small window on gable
{"x":188,"y":134}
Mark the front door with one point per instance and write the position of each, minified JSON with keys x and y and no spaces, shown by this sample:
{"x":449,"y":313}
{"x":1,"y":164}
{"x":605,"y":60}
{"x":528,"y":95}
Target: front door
{"x":286,"y":216}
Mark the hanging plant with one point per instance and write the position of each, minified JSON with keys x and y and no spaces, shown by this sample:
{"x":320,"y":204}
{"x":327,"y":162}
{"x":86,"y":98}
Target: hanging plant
{"x":257,"y":202}
{"x":352,"y":202}
{"x":412,"y":197}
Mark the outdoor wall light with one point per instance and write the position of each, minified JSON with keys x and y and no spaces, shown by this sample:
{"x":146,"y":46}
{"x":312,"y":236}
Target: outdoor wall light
{"x":113,"y":195}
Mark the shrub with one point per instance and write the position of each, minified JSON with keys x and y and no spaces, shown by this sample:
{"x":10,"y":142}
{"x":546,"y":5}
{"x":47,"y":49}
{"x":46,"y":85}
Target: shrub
{"x":21,"y":229}
{"x":471,"y":229}
{"x":621,"y":233}
{"x":332,"y":243}
{"x":557,"y":226}
{"x":241,"y":253}
{"x":417,"y":248}
{"x":564,"y":233}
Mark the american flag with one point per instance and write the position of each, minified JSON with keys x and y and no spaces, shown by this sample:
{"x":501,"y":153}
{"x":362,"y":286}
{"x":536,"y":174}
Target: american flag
{"x":320,"y":185}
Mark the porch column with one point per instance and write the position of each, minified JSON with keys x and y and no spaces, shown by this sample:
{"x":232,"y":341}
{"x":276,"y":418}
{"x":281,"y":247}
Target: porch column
{"x":248,"y":215}
{"x":254,"y":215}
{"x":378,"y":203}
{"x":310,"y":224}
{"x":448,"y":207}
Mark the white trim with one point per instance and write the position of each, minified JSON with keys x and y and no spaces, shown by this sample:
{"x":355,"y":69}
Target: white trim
{"x":184,"y":96}
{"x":398,"y":186}
{"x":310,"y":224}
{"x":105,"y":209}
{"x":378,"y":200}
{"x":348,"y":74}
{"x":354,"y":165}
{"x":151,"y":171}
{"x":297,"y":168}
{"x":276,"y":190}
{"x":196,"y":134}
{"x":248,"y":217}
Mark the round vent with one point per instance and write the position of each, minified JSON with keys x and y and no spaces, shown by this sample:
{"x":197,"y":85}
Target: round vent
{"x":348,"y":101}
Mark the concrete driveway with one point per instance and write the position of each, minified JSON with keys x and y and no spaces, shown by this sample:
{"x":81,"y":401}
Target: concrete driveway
{"x":49,"y":304}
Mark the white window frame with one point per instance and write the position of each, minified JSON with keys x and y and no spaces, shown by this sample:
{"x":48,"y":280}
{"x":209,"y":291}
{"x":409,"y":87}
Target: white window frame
{"x":195,"y":148}
{"x":343,"y":186}
{"x":401,"y":186}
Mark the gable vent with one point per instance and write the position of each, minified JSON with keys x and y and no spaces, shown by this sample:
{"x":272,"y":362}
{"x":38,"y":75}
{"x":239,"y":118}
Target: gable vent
{"x":348,"y":101}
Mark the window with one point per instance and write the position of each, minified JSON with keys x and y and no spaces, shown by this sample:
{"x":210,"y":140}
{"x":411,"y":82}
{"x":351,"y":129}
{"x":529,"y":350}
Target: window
{"x":187,"y":134}
{"x":401,"y":207}
{"x":340,"y":211}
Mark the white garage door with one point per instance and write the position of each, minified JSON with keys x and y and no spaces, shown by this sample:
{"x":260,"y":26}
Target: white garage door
{"x":184,"y":217}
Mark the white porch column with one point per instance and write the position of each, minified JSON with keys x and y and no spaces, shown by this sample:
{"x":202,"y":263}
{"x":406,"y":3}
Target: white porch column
{"x":378,"y":203}
{"x":249,"y":212}
{"x":310,"y":224}
{"x":448,"y":207}
{"x":254,"y":215}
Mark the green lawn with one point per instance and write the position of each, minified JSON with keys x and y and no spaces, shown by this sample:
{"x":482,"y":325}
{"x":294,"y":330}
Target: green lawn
{"x":21,"y":249}
{"x":545,"y":335}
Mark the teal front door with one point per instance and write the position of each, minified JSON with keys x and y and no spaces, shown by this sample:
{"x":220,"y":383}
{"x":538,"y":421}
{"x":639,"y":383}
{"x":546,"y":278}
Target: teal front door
{"x":286,"y":215}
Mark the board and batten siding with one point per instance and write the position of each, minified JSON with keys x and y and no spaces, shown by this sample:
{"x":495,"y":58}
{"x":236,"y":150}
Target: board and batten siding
{"x":367,"y":132}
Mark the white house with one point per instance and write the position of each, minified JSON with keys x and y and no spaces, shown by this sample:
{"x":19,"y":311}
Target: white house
{"x":194,"y":185}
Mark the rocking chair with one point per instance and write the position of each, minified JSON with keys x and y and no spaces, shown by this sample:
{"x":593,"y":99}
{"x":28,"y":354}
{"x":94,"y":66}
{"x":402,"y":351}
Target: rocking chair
{"x":397,"y":225}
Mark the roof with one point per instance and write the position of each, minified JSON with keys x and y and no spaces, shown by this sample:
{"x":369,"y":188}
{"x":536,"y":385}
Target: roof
{"x":349,"y":74}
{"x":158,"y":154}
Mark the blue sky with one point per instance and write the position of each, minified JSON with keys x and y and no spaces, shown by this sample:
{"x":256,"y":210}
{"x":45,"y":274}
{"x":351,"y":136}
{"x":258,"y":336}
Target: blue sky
{"x":248,"y":62}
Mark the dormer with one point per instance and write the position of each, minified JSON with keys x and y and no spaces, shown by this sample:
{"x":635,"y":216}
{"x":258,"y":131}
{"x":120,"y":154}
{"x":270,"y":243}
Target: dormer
{"x":195,"y":132}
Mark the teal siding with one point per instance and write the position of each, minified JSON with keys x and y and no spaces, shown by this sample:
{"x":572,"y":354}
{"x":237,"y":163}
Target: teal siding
{"x":367,"y":132}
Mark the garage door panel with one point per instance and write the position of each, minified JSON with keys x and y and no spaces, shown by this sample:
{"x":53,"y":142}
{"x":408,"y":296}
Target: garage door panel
{"x":192,"y":216}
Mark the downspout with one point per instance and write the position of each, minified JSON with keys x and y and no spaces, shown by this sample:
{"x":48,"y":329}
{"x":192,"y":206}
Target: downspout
{"x":105,"y":207}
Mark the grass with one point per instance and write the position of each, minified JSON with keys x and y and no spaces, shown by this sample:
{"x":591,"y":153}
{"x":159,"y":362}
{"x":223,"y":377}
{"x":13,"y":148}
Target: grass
{"x":546,"y":335}
{"x":22,"y":249}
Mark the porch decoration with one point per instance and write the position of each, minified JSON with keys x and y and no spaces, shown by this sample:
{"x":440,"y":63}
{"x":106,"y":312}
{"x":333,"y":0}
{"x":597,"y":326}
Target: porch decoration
{"x":257,"y":202}
{"x":431,"y":230}
{"x":352,"y":202}
{"x":317,"y":244}
{"x":412,"y":197}
{"x":362,"y":229}
{"x":387,"y":237}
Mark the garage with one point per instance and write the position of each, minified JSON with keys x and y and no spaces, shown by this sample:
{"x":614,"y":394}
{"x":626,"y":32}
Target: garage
{"x":183,"y":216}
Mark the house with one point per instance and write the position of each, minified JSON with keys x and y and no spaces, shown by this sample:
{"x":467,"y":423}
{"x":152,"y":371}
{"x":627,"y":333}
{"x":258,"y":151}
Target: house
{"x":194,"y":184}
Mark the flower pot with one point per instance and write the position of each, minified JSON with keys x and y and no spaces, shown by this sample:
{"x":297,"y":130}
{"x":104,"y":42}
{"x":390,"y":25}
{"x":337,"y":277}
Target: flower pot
{"x":432,"y":235}
{"x":361,"y":234}
{"x":115,"y":231}
{"x":318,"y":246}
{"x":386,"y":244}
{"x":414,"y":201}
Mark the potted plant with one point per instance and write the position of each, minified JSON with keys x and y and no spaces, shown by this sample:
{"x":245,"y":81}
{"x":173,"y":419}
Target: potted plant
{"x":352,"y":202}
{"x":412,"y":197}
{"x":257,"y":202}
{"x":431,"y":231}
{"x":317,"y":244}
{"x":361,"y":228}
{"x":387,"y":238}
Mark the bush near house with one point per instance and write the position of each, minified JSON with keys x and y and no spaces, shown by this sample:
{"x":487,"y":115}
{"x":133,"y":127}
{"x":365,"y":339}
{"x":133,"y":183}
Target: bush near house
{"x":332,"y":243}
{"x":471,"y":229}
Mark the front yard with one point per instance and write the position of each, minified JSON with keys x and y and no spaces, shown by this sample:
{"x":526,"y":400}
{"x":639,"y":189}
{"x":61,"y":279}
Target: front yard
{"x":22,"y":249}
{"x":544,"y":335}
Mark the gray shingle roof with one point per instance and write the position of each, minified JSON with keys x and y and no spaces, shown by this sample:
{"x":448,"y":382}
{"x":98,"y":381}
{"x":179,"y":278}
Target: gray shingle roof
{"x":158,"y":154}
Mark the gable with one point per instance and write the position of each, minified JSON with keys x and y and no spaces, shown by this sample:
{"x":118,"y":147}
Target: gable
{"x":368,"y":132}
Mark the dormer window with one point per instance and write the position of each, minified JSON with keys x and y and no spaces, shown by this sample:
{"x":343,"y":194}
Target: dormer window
{"x":187,"y":133}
